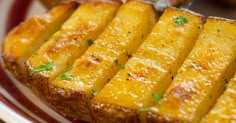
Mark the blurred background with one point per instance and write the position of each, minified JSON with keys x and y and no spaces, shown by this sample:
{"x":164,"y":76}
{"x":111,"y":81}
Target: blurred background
{"x":12,"y":12}
{"x":220,"y":8}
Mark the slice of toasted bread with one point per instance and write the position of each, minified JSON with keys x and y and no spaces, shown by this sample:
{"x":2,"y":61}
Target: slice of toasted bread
{"x":224,"y":109}
{"x":102,"y":60}
{"x":150,"y":70}
{"x":70,"y":42}
{"x":201,"y":79}
{"x":26,"y":38}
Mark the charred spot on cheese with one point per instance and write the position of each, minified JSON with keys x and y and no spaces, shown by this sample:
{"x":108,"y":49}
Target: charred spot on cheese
{"x":128,"y":54}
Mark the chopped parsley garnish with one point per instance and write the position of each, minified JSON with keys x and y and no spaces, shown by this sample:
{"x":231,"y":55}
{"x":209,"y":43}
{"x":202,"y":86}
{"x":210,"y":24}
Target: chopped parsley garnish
{"x":225,"y":86}
{"x":35,"y":54}
{"x":66,"y":76}
{"x":90,"y":42}
{"x":122,"y":67}
{"x":69,"y":68}
{"x":57,"y":34}
{"x":44,"y":67}
{"x":144,"y":109}
{"x":116,"y":61}
{"x":94,"y":92}
{"x":192,"y":65}
{"x":158,"y":97}
{"x":181,"y":20}
{"x":200,"y":118}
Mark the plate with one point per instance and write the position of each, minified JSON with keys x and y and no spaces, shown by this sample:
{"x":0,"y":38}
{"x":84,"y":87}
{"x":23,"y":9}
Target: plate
{"x":17,"y":102}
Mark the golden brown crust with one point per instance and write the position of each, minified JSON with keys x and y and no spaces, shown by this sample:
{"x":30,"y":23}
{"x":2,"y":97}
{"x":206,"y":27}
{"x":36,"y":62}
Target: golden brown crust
{"x":10,"y":55}
{"x":171,"y":8}
{"x":109,"y":113}
{"x":224,"y":109}
{"x":70,"y":102}
{"x":79,"y":98}
{"x":77,"y":103}
{"x":63,"y":52}
{"x":153,"y":117}
{"x":14,"y":69}
{"x":109,"y":108}
{"x":26,"y":38}
{"x":188,"y":98}
{"x":222,"y":19}
{"x":33,"y":84}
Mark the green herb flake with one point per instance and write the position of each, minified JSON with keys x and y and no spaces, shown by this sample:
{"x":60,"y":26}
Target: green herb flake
{"x":56,"y":35}
{"x":158,"y":97}
{"x":200,"y":118}
{"x":35,"y":54}
{"x":225,"y":86}
{"x":94,"y":92}
{"x":122,"y":67}
{"x":144,"y":109}
{"x":44,"y":67}
{"x":192,"y":65}
{"x":116,"y":61}
{"x":66,"y":76}
{"x":69,"y":68}
{"x":181,"y":20}
{"x":90,"y":42}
